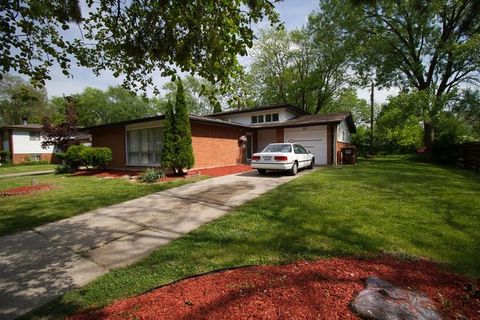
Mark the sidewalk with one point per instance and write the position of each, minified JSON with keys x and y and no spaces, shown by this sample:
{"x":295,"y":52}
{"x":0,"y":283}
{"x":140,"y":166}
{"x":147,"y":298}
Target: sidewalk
{"x":36,"y":266}
{"x":28,"y":173}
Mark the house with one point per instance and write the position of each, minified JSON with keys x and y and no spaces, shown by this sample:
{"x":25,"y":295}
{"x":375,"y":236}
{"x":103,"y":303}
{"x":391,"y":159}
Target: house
{"x":228,"y":138}
{"x":24,"y":142}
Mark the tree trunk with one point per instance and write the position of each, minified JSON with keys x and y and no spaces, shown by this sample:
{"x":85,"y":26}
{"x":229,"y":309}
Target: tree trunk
{"x":428,"y":136}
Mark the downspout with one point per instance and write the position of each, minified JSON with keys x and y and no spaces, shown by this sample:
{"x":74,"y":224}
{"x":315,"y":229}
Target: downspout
{"x":335,"y":145}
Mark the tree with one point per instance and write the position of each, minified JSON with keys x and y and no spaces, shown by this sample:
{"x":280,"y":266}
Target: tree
{"x":185,"y":158}
{"x":467,"y":108}
{"x":177,"y":151}
{"x":347,"y":100}
{"x":61,"y":136}
{"x":134,"y":38}
{"x":95,"y":106}
{"x":19,"y":100}
{"x":169,"y":151}
{"x":432,"y":46}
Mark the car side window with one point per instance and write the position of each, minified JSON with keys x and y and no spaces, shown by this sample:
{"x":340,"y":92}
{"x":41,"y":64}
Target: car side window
{"x":296,"y":149}
{"x":303,"y":149}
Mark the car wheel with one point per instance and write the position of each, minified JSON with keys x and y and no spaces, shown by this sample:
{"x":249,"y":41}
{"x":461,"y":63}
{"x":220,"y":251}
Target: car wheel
{"x":294,"y":169}
{"x":312,"y":164}
{"x":262,"y":171}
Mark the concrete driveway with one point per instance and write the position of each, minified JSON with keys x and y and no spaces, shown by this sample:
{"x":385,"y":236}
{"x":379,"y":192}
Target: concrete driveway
{"x":36,"y":266}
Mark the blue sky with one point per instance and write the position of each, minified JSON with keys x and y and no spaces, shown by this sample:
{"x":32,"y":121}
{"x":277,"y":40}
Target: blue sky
{"x":293,"y":13}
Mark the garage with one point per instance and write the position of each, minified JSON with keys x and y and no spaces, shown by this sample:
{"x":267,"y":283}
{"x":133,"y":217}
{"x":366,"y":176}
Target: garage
{"x":312,"y":138}
{"x":266,"y":137}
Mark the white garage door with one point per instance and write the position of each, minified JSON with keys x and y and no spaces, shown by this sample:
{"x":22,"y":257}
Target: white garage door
{"x":313,"y":138}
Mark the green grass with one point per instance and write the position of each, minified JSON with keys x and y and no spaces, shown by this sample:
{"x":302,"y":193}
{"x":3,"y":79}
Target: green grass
{"x":391,"y":206}
{"x":26,"y":168}
{"x":71,"y":196}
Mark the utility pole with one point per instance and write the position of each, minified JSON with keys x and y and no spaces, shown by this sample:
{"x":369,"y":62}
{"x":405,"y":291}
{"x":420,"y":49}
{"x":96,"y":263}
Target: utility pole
{"x":371,"y":117}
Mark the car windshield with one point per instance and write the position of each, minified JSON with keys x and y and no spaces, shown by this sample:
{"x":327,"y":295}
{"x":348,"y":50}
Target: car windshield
{"x":278,"y":148}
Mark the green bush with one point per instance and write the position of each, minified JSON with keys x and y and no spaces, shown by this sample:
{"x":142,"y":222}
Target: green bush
{"x":80,"y":155}
{"x":64,"y":168}
{"x":5,"y":157}
{"x":151,"y":175}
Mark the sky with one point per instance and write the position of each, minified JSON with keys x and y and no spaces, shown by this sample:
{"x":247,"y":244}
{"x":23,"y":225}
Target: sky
{"x":293,"y":13}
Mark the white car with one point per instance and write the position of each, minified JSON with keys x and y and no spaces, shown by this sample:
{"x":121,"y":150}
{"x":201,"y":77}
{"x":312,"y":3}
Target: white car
{"x":282,"y":156}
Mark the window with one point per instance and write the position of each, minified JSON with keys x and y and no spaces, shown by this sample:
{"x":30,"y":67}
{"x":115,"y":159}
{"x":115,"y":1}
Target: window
{"x":35,"y":157}
{"x":302,"y":149}
{"x":275,"y":117}
{"x":144,"y":146}
{"x":260,"y":118}
{"x":34,"y":136}
{"x":254,"y":119}
{"x":278,"y":148}
{"x":268,"y":118}
{"x":296,"y":149}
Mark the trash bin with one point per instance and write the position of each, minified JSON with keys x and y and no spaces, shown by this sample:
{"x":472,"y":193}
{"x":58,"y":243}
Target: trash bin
{"x":348,"y":155}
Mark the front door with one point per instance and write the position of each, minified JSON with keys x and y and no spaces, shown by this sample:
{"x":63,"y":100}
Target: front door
{"x":249,"y":146}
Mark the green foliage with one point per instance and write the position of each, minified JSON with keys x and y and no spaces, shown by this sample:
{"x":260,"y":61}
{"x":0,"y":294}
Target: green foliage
{"x":184,"y":150}
{"x":151,"y":175}
{"x":80,"y":155}
{"x":5,"y":157}
{"x":169,"y":138}
{"x":467,"y":108}
{"x":20,"y":100}
{"x":361,"y":140}
{"x":347,"y":100}
{"x":64,"y":168}
{"x":95,"y":106}
{"x":132,"y":38}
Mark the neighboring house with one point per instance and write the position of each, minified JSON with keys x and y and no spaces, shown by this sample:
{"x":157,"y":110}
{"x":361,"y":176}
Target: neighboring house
{"x":228,"y":138}
{"x":24,"y":142}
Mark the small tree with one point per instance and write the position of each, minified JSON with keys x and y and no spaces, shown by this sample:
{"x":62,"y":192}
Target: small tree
{"x":62,"y":135}
{"x":169,"y":139}
{"x":217,"y":107}
{"x":185,"y":158}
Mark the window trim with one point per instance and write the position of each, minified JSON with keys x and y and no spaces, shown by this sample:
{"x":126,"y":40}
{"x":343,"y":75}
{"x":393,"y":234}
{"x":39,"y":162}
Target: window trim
{"x":34,"y":137}
{"x":139,"y":128}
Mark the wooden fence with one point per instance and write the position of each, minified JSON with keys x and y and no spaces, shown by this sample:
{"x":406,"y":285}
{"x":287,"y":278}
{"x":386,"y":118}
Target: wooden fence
{"x":469,"y":155}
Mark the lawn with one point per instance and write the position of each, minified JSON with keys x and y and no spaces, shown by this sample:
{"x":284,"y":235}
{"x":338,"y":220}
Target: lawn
{"x":404,"y":208}
{"x":26,"y":168}
{"x":72,"y":195}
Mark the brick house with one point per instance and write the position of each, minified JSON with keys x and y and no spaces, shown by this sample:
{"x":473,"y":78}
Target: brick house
{"x":24,"y":142}
{"x":228,"y":138}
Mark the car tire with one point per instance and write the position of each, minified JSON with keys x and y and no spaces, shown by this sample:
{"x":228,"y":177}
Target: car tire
{"x":294,"y":169}
{"x":262,"y":171}
{"x":312,"y":164}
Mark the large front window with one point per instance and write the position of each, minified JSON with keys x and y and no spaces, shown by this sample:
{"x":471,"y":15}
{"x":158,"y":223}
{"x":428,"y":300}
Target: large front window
{"x":144,"y":146}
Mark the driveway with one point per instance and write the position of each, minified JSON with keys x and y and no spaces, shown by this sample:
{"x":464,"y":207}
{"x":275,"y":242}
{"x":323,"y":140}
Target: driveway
{"x":36,"y":266}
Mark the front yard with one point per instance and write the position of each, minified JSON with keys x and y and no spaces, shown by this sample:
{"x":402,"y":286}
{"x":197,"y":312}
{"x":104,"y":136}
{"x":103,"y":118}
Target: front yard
{"x":71,"y":195}
{"x":26,"y":168}
{"x":403,"y":208}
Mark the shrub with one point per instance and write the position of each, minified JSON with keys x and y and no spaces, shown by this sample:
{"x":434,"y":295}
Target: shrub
{"x":151,"y":175}
{"x":80,"y":155}
{"x":5,"y":157}
{"x":64,"y":168}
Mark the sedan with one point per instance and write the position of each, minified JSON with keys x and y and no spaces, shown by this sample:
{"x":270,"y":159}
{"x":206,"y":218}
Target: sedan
{"x":282,"y":156}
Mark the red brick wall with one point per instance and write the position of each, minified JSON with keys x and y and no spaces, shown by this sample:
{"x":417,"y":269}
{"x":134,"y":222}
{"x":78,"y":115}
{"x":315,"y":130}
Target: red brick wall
{"x":280,"y":135}
{"x":18,"y":158}
{"x":113,"y":138}
{"x":215,"y":146}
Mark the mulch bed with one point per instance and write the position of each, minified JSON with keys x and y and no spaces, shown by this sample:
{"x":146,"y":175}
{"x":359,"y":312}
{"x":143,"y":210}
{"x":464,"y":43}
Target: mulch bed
{"x":304,"y":290}
{"x":211,"y":172}
{"x":26,"y":190}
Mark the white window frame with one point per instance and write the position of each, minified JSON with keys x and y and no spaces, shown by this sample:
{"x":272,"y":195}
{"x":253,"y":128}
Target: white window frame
{"x":139,"y":128}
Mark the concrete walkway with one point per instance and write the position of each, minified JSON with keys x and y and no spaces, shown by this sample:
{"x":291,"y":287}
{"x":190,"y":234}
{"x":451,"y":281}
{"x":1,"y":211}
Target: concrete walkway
{"x":28,"y":173}
{"x":38,"y":265}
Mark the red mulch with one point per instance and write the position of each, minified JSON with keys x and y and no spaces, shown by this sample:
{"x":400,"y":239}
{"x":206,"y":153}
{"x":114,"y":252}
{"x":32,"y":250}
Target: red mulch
{"x":303,"y":290}
{"x":222,"y":171}
{"x":211,"y":172}
{"x":25,"y":190}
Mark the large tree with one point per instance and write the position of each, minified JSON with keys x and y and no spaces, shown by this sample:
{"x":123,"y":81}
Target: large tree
{"x":131,"y":38}
{"x":19,"y":101}
{"x":431,"y":46}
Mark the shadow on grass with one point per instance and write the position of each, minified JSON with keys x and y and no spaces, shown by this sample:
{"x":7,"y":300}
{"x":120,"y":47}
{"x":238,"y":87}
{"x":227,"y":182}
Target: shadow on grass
{"x":381,"y":206}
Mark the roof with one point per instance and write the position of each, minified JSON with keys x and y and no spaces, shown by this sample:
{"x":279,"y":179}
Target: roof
{"x":161,"y":117}
{"x":314,"y":119}
{"x":31,"y":126}
{"x":261,"y":108}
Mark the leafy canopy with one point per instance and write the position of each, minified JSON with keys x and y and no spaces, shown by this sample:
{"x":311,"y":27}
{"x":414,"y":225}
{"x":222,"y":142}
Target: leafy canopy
{"x":132,"y":38}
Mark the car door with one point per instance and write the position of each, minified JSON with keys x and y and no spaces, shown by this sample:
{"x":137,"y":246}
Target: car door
{"x":308,"y":156}
{"x":300,"y":155}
